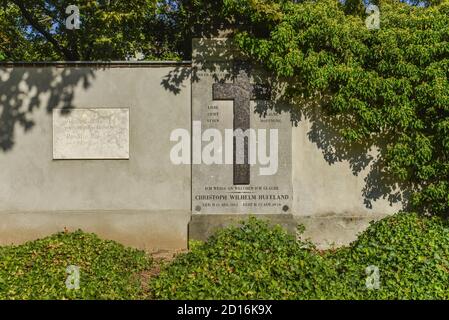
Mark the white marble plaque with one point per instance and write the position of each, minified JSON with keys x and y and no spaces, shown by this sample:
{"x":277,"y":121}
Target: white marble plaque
{"x":95,"y":133}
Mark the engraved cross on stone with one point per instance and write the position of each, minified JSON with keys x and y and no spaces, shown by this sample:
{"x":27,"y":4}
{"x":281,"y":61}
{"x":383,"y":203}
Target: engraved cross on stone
{"x":241,"y":92}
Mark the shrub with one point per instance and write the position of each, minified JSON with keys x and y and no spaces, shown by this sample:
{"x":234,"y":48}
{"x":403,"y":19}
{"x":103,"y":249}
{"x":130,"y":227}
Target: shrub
{"x":411,"y":252}
{"x":256,"y":261}
{"x":250,"y":261}
{"x":387,"y":87}
{"x":37,"y":269}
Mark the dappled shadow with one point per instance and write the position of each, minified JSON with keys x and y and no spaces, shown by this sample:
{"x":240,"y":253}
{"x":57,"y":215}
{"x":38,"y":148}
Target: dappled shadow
{"x":325,"y":129}
{"x":365,"y":157}
{"x":174,"y":80}
{"x":24,"y":89}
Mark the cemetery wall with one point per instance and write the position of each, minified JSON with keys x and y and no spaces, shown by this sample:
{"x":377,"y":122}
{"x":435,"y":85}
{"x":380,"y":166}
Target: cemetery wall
{"x":145,"y":200}
{"x":142,"y":201}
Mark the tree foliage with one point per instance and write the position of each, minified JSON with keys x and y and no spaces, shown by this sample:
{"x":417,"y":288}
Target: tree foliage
{"x":110,"y":30}
{"x":255,"y":261}
{"x":13,"y":43}
{"x":388,"y":85}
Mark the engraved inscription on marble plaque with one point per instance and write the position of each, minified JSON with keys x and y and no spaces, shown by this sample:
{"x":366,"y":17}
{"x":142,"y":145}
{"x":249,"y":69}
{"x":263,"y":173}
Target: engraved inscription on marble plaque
{"x":95,"y":133}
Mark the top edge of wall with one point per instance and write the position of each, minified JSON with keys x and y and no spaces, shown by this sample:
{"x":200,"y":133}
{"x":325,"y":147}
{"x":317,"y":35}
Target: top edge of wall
{"x":105,"y":64}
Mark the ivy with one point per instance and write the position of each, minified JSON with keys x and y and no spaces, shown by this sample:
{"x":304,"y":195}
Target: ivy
{"x":389,"y":86}
{"x":408,"y":252}
{"x":38,"y":269}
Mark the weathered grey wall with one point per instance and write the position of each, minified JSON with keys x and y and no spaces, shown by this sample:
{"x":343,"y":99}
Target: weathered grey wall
{"x":143,"y":201}
{"x":336,"y":188}
{"x":146,"y":201}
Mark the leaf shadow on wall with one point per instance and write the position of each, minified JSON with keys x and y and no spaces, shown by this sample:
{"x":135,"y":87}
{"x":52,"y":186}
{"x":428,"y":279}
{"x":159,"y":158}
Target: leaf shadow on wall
{"x":23,"y":90}
{"x":174,"y":80}
{"x":364,"y":158}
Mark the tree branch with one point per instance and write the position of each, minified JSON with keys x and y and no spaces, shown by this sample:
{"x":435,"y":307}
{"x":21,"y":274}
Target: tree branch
{"x":68,"y":55}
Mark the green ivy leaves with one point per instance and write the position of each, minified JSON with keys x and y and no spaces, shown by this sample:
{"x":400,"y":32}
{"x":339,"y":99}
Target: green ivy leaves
{"x":256,"y":261}
{"x":37,"y":270}
{"x":389,"y":85}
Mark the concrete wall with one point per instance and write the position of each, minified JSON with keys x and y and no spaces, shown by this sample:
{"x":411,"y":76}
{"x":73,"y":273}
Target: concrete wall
{"x":337,"y":188}
{"x":143,"y":201}
{"x":146,"y":201}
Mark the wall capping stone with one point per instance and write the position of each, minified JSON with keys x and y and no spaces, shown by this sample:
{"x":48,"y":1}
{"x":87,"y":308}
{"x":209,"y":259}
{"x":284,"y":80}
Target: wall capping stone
{"x":105,"y":64}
